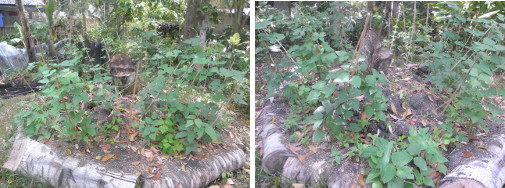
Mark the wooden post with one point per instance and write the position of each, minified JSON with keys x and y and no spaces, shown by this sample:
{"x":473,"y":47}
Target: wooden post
{"x":27,"y":33}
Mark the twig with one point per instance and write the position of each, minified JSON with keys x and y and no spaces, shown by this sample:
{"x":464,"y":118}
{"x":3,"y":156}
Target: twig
{"x":360,"y":44}
{"x":461,"y":59}
{"x":135,"y":88}
{"x":457,"y":89}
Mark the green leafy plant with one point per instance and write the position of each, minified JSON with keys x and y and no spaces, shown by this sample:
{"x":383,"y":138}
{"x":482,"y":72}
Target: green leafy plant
{"x":394,"y":164}
{"x":335,"y":154}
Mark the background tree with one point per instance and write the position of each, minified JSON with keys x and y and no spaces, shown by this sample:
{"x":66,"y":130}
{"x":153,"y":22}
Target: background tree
{"x":27,"y":33}
{"x":193,"y":18}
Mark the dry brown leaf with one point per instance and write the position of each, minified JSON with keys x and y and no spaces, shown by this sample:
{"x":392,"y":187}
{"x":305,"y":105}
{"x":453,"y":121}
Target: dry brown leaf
{"x":116,"y":157}
{"x":482,"y":147}
{"x":361,"y":180}
{"x":206,"y":155}
{"x":143,"y":152}
{"x":467,"y":154}
{"x":133,"y":148}
{"x":199,"y":157}
{"x":157,"y":176}
{"x":363,"y":116}
{"x":294,"y":148}
{"x":117,"y":135}
{"x":247,"y":164}
{"x":407,"y":113}
{"x":313,"y":148}
{"x":473,"y":137}
{"x":106,"y":148}
{"x":68,"y":152}
{"x":231,"y":134}
{"x":360,"y":98}
{"x":302,"y":157}
{"x":273,"y":120}
{"x":298,"y":185}
{"x":409,"y":121}
{"x":135,"y":163}
{"x":393,"y":107}
{"x":353,"y":186}
{"x":107,"y":157}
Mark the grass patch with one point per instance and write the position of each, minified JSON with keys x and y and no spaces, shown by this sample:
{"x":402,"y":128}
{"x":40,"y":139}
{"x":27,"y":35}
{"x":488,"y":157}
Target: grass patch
{"x":9,"y":108}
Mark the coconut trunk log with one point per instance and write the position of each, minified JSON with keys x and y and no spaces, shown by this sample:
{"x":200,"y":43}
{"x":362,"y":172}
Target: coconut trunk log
{"x":33,"y":159}
{"x":485,"y":168}
{"x":316,"y":171}
{"x":275,"y":152}
{"x":199,"y":173}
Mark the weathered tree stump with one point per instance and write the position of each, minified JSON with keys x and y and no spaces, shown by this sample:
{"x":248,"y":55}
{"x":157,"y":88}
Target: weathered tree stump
{"x":123,"y":72}
{"x":376,"y":56}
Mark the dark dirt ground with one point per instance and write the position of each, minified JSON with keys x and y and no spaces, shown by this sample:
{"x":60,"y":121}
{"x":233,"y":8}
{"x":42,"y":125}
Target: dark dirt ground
{"x":411,"y":104}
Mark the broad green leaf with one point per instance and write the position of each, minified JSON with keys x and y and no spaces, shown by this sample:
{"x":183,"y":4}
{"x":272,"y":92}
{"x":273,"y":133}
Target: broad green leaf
{"x":313,"y":95}
{"x":355,"y":81}
{"x":315,"y":119}
{"x":499,"y":47}
{"x":405,"y":172}
{"x":342,"y":55}
{"x":371,"y":80}
{"x":401,"y":158}
{"x":428,"y":181}
{"x":396,"y":182}
{"x":319,"y":85}
{"x":421,"y":163}
{"x":198,"y":123}
{"x":374,"y":174}
{"x":262,"y":25}
{"x":201,"y":61}
{"x":338,"y":76}
{"x":387,"y":173}
{"x":329,"y":58}
{"x":489,"y":41}
{"x":211,"y":132}
{"x":387,"y":153}
{"x":442,"y":168}
{"x":239,"y":99}
{"x":489,"y":14}
{"x":328,"y":91}
{"x":235,"y":39}
{"x":318,"y":135}
{"x":369,"y":111}
{"x":354,"y":104}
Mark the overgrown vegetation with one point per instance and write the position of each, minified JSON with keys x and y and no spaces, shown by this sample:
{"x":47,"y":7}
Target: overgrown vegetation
{"x":461,"y":43}
{"x":188,"y":87}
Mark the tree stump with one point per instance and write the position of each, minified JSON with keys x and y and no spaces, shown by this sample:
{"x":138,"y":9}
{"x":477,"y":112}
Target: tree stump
{"x":376,"y":56}
{"x":123,"y":72}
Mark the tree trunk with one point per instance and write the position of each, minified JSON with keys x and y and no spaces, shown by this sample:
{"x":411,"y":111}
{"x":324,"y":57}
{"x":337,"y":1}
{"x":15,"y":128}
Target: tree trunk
{"x":203,"y":30}
{"x":283,"y":6}
{"x":27,"y":33}
{"x":238,"y":20}
{"x":193,"y":19}
{"x":84,"y":24}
